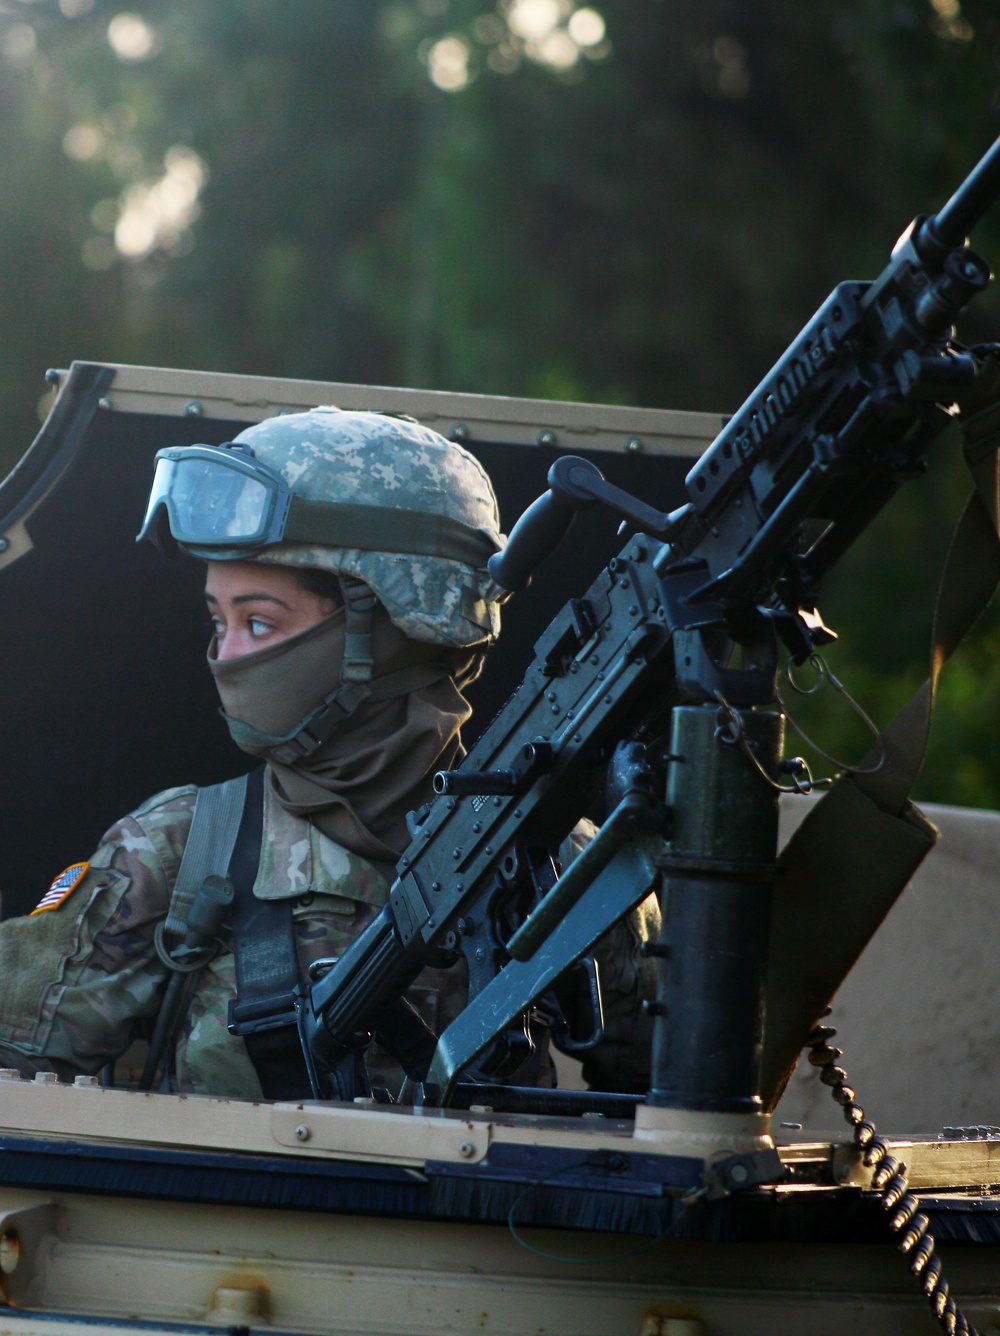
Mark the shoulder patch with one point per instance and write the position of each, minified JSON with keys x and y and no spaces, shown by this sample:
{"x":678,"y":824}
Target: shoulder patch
{"x":62,"y":888}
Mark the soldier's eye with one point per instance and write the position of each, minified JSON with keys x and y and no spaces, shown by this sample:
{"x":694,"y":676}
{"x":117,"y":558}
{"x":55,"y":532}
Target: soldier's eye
{"x":258,"y":627}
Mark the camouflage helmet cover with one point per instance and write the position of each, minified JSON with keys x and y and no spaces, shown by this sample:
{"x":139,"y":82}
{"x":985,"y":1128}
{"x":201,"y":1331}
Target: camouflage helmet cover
{"x":386,"y":462}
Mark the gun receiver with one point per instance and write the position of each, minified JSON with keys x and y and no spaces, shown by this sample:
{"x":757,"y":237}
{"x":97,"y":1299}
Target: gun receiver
{"x":846,"y":415}
{"x":690,"y":611}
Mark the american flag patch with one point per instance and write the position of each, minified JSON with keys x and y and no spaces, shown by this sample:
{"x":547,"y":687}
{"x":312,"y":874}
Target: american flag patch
{"x":62,"y":888}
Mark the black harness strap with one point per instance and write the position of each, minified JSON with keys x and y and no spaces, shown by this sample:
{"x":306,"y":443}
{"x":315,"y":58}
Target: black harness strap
{"x":267,"y":968}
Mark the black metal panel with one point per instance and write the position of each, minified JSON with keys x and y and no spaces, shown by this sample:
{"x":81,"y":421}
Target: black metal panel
{"x":602,"y":1191}
{"x":102,"y":676}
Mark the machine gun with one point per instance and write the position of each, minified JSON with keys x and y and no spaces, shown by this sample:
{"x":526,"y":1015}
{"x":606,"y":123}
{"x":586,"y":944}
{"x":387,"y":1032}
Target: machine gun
{"x":654,"y":689}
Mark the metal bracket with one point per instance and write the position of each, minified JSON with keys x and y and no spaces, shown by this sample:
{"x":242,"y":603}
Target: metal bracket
{"x":737,"y":1173}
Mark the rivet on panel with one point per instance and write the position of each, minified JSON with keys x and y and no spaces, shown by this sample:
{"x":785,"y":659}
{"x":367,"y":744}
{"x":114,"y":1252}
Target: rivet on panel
{"x":194,"y":409}
{"x":229,"y":1304}
{"x":10,"y":1251}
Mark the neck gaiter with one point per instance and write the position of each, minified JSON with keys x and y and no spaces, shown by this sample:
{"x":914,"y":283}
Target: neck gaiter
{"x":359,"y":785}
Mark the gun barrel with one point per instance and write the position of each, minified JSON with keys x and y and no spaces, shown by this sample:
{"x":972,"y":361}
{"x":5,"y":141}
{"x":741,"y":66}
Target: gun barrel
{"x":978,"y":191}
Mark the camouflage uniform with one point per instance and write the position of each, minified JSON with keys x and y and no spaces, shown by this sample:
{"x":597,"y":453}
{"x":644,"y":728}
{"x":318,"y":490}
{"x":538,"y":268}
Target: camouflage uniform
{"x":81,"y":980}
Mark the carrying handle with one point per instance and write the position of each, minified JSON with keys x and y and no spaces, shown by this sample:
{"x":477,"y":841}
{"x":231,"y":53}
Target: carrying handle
{"x":574,"y":484}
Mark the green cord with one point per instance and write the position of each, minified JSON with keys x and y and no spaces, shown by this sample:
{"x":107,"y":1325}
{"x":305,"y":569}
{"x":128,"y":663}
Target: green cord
{"x":578,"y":1261}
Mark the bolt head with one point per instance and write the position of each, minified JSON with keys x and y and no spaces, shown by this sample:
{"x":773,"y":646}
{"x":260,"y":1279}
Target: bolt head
{"x":4,"y":544}
{"x":546,"y":437}
{"x":739,"y":1173}
{"x":10,"y":1251}
{"x":231,"y":1304}
{"x":459,"y":433}
{"x":634,"y":446}
{"x":104,"y":402}
{"x":194,"y":409}
{"x":467,"y":1150}
{"x":302,"y":1132}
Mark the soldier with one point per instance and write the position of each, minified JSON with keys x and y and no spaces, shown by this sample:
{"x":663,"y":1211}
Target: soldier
{"x":346,"y":579}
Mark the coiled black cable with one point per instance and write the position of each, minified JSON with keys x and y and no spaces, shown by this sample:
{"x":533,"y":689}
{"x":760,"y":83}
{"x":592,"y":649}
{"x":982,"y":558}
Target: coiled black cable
{"x":906,"y":1220}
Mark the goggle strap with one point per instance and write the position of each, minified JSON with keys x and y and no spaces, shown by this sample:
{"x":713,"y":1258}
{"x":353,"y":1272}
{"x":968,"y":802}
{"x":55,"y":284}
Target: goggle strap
{"x":372,"y":529}
{"x":359,"y":658}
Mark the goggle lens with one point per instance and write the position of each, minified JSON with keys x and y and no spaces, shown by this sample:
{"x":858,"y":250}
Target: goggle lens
{"x":211,"y":503}
{"x":207,"y":500}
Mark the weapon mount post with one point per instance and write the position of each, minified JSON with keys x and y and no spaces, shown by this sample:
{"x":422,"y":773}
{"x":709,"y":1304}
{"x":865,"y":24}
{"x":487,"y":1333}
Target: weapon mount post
{"x":715,"y":897}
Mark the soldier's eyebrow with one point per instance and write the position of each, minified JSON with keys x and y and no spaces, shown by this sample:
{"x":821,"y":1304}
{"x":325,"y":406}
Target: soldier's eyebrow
{"x":252,"y":598}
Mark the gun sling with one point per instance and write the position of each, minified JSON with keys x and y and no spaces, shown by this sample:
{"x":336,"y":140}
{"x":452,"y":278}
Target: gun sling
{"x":267,"y":966}
{"x":212,"y":835}
{"x":858,"y":848}
{"x":226,"y":832}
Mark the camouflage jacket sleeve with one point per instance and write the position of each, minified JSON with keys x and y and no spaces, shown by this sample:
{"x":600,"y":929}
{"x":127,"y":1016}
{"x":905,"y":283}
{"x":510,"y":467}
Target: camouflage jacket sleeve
{"x":79,"y":979}
{"x":621,"y":1061}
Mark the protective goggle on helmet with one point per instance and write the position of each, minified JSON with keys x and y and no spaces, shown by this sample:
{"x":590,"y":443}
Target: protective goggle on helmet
{"x":220,"y":503}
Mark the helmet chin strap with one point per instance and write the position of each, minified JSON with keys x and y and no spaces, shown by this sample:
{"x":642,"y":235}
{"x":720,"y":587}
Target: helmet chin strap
{"x":356,"y":671}
{"x":308,"y":735}
{"x":318,"y":727}
{"x":357,"y":684}
{"x":359,"y":659}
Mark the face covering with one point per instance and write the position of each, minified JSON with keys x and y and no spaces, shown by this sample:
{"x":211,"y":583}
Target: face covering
{"x":375,"y":764}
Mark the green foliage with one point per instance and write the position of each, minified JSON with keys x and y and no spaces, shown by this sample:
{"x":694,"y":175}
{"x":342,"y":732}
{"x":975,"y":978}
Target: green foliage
{"x":645,"y":217}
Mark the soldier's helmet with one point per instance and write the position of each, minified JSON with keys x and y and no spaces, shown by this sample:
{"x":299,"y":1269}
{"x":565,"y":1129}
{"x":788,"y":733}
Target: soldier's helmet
{"x":371,"y":496}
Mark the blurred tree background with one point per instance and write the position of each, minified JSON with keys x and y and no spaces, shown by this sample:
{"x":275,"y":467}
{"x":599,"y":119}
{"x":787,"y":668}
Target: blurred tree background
{"x":638,"y":201}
